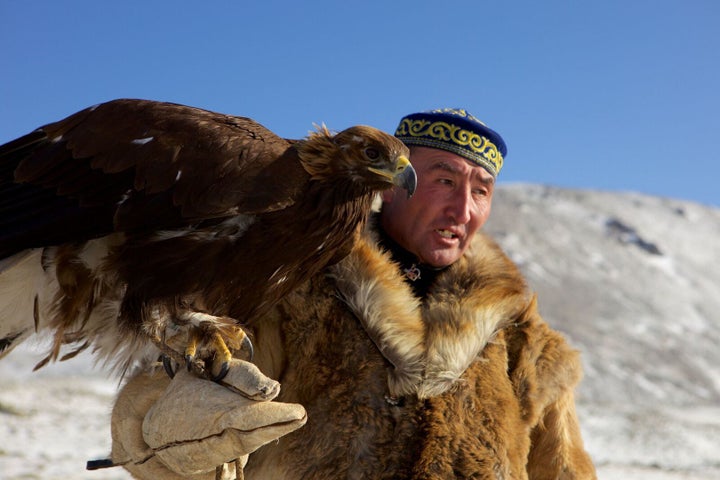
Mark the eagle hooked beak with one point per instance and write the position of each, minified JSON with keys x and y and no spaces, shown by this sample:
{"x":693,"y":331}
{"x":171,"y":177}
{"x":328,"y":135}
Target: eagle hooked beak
{"x":403,"y":176}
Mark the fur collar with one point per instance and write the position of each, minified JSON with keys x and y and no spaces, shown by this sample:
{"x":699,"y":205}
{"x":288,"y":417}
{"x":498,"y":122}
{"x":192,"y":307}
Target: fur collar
{"x":431,"y":344}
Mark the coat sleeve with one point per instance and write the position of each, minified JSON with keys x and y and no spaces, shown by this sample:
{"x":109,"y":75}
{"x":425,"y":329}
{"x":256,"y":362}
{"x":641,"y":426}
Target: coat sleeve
{"x":557,"y":450}
{"x":545,"y":371}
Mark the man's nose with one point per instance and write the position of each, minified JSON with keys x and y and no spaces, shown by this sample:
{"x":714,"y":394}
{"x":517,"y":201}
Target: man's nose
{"x":460,"y":205}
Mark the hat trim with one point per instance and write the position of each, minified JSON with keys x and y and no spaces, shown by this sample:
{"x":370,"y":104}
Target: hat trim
{"x":453,"y":138}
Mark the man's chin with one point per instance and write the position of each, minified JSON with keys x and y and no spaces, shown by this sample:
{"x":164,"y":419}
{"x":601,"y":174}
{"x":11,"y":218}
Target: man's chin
{"x":441,"y":258}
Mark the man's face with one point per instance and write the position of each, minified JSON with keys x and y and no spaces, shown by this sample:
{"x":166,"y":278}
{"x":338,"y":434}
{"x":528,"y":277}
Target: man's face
{"x":451,"y":203}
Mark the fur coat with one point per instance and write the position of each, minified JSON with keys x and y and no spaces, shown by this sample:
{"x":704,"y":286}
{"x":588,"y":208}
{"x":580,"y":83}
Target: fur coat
{"x":469,"y":383}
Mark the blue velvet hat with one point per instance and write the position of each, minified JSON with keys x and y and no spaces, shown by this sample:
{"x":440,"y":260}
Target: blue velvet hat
{"x":457,"y":131}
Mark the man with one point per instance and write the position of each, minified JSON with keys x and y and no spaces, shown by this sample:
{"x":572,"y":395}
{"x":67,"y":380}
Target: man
{"x":421,"y":355}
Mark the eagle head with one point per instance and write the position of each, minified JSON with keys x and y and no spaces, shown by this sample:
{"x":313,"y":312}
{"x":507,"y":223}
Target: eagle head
{"x":363,"y":154}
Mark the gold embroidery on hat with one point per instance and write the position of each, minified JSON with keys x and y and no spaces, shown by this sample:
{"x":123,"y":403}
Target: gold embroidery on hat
{"x":446,"y":132}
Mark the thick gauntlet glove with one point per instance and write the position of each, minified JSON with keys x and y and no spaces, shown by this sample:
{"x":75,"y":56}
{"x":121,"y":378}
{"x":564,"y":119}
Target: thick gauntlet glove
{"x":189,"y":427}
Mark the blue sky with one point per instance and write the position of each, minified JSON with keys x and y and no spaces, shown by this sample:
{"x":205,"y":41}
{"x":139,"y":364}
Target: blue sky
{"x":618,"y":95}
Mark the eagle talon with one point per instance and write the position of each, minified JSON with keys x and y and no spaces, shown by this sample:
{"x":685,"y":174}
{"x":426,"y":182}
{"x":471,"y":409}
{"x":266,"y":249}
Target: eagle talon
{"x":224,"y":369}
{"x":168,"y":366}
{"x":189,"y":361}
{"x":247,"y":345}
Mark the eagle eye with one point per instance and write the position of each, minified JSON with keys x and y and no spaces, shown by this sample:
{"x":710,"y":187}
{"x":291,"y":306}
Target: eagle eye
{"x":372,"y":153}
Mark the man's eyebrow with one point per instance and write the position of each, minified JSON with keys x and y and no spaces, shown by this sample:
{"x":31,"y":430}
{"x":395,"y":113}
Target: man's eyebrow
{"x":487,"y":180}
{"x":446,"y":167}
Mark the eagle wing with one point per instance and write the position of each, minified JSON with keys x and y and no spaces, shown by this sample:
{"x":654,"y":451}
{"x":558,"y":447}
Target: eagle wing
{"x":133,"y":165}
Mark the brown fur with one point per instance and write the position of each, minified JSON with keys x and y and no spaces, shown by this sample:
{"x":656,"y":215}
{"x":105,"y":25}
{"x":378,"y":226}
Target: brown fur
{"x":386,"y":405}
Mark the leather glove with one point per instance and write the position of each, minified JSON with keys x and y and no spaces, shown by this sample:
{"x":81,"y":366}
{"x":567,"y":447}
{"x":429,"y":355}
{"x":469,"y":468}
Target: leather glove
{"x":189,"y":427}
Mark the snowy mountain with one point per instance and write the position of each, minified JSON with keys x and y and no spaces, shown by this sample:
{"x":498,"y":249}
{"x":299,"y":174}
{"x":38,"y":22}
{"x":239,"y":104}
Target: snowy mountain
{"x":634,"y":283}
{"x":632,"y":280}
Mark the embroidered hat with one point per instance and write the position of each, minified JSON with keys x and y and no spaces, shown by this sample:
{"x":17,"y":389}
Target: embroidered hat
{"x":457,"y":131}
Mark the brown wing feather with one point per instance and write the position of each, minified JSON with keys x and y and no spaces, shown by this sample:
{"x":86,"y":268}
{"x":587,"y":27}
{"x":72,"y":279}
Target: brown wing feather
{"x":138,"y":164}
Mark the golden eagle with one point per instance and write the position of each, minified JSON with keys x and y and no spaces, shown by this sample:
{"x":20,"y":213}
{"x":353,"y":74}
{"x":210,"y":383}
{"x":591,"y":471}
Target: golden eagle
{"x":136,"y":224}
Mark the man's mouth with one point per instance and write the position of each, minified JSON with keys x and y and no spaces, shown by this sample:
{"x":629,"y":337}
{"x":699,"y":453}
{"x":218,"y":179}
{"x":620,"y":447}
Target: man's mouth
{"x":446,"y":233}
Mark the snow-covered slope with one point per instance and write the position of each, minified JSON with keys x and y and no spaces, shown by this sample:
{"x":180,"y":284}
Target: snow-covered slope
{"x":633,"y":281}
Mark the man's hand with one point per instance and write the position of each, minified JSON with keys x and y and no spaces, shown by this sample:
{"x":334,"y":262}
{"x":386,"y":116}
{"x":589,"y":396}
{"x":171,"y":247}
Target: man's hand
{"x":187,"y":427}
